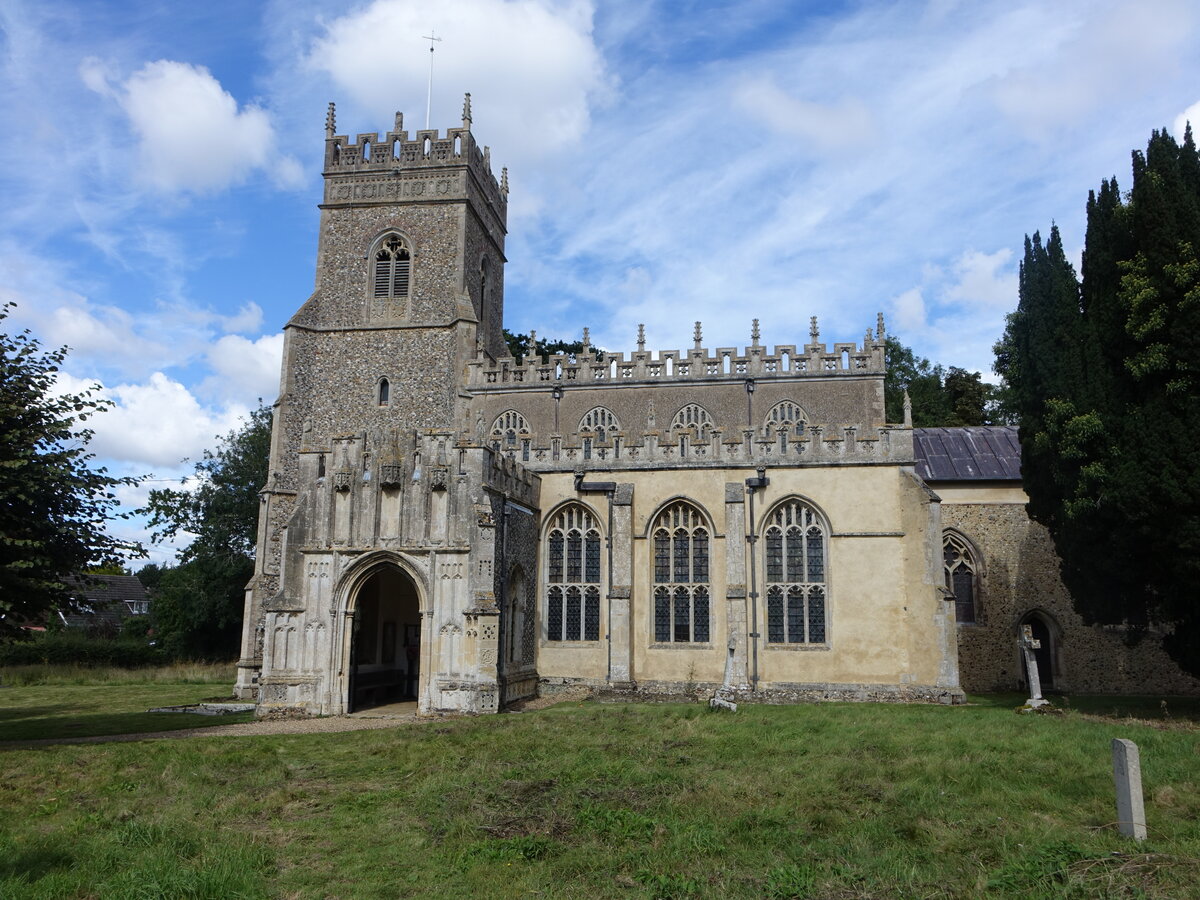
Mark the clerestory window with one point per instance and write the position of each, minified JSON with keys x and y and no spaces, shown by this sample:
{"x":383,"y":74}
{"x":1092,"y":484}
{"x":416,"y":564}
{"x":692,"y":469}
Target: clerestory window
{"x":573,"y":571}
{"x":796,"y":568}
{"x":682,"y":611}
{"x":509,"y":427}
{"x":962,"y":573}
{"x":392,"y":267}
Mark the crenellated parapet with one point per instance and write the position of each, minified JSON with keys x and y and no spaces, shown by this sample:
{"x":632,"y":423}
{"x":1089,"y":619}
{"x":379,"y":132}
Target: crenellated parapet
{"x":815,"y":359}
{"x":395,"y":154}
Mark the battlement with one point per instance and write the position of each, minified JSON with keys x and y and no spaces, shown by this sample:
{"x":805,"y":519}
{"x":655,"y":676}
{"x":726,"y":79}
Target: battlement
{"x":395,"y":151}
{"x":698,"y":364}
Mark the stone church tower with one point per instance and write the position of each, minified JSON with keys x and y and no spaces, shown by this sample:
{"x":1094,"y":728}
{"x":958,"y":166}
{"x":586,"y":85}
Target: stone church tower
{"x":380,"y":530}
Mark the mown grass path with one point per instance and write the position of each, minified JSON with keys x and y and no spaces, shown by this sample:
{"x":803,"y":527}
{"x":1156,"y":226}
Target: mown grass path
{"x":590,"y":800}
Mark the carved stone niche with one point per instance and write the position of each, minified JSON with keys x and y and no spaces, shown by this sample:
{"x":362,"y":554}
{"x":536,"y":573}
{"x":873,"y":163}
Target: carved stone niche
{"x":391,"y":475}
{"x":439,"y":477}
{"x":341,"y":480}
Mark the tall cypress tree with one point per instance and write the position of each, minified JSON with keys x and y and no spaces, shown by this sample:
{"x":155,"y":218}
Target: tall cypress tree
{"x":1106,"y":397}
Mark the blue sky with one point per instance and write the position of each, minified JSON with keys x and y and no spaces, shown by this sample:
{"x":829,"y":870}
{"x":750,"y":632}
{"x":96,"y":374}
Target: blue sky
{"x":669,"y":161}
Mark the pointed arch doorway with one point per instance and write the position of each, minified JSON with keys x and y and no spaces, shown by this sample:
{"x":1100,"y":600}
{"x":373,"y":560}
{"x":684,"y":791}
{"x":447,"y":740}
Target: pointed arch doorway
{"x":385,"y":647}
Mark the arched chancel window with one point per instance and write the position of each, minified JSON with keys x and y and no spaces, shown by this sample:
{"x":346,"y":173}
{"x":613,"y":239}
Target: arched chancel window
{"x":600,"y":421}
{"x":962,"y":574}
{"x":392,"y":267}
{"x":573,"y":576}
{"x":682,"y":611}
{"x":796,"y":565}
{"x":509,"y":427}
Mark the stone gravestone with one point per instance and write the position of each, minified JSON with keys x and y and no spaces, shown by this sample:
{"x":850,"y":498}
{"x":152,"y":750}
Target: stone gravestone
{"x":1028,"y":644}
{"x":1127,"y":774}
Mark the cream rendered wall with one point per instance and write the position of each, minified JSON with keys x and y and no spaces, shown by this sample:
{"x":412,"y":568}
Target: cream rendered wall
{"x":885,"y":610}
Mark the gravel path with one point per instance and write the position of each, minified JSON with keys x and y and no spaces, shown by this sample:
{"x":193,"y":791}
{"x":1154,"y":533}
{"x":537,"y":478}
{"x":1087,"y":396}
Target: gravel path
{"x":244,"y":729}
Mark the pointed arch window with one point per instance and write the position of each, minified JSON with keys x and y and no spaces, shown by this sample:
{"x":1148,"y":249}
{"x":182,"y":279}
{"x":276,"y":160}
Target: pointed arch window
{"x":600,"y":421}
{"x":509,"y":428}
{"x":573,"y":576}
{"x":693,"y":416}
{"x":786,"y":418}
{"x":962,"y":576}
{"x":392,"y":267}
{"x":682,"y":607}
{"x":385,"y":392}
{"x":797,"y":548}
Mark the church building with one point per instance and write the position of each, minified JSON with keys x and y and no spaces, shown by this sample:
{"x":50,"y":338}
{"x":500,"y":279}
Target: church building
{"x":449,"y":524}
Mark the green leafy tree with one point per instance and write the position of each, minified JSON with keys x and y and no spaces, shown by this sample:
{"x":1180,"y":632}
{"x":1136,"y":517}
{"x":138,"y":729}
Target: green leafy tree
{"x":939,"y":396}
{"x":54,"y":503}
{"x":198,"y":604}
{"x":520,"y":346}
{"x":1104,"y":376}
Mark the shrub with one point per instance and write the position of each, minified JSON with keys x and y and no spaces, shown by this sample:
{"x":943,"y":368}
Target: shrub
{"x":69,"y":647}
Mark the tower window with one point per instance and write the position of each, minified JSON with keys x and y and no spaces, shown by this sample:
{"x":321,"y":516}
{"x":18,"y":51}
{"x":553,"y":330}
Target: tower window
{"x":392,"y":267}
{"x":385,"y":391}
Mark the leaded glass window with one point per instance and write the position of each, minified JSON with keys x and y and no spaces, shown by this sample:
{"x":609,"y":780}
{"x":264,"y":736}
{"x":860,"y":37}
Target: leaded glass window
{"x":507,"y":428}
{"x":693,"y":416}
{"x":796,"y":563}
{"x":681,"y":549}
{"x":573,"y":576}
{"x":786,"y":419}
{"x":961,"y":576}
{"x":600,"y":421}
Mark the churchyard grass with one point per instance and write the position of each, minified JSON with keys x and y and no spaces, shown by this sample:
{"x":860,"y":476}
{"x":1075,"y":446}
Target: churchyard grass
{"x":63,"y":701}
{"x":594,"y":800}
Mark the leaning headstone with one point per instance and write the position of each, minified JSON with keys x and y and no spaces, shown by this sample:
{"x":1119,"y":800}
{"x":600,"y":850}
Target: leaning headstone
{"x":1127,"y":773}
{"x":1028,"y":644}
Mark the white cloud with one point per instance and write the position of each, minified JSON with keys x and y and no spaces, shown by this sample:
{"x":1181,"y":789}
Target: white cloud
{"x":530,"y":66}
{"x":243,"y":368}
{"x":1078,"y":60}
{"x":985,"y":280}
{"x":158,"y":423}
{"x":249,"y":317}
{"x":825,"y":127}
{"x":1192,"y":115}
{"x":909,"y":312}
{"x":192,"y":135}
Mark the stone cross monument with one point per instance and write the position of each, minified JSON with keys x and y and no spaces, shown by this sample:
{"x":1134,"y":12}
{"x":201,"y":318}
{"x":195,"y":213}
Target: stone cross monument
{"x":1028,"y":644}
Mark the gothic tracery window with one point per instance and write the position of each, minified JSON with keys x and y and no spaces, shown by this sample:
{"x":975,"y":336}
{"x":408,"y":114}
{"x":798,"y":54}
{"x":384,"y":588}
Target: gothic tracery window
{"x":509,"y":428}
{"x":786,"y":419}
{"x":682,"y":612}
{"x":796,"y":565}
{"x":601,"y":422}
{"x":693,"y":416}
{"x":392,"y":267}
{"x":962,"y":572}
{"x":573,"y":575}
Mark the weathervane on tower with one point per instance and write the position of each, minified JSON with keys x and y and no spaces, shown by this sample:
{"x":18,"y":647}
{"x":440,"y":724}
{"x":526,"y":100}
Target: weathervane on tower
{"x":431,"y":37}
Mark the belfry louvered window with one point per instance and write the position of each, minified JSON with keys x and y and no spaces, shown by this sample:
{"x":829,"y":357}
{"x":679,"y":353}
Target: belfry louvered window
{"x":961,"y":576}
{"x":796,"y":569}
{"x":573,"y":576}
{"x":393,"y":263}
{"x":682,"y":612}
